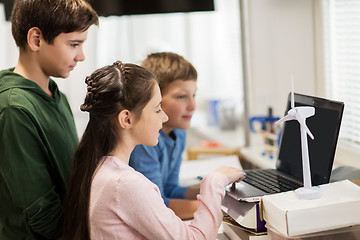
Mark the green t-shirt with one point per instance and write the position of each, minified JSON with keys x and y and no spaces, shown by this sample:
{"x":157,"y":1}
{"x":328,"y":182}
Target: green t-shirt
{"x":37,"y":142}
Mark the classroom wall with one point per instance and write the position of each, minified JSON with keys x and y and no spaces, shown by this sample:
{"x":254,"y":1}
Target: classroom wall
{"x":281,"y":43}
{"x":279,"y":40}
{"x":8,"y":49}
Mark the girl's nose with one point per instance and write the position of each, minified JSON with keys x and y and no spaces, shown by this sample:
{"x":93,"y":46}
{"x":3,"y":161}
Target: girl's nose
{"x":165,"y":117}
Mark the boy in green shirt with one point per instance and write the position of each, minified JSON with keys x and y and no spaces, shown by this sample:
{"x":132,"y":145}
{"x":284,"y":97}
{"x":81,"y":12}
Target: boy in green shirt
{"x":37,"y":129}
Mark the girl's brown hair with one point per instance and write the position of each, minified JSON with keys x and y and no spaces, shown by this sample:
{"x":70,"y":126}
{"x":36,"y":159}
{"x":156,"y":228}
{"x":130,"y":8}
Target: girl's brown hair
{"x":110,"y":90}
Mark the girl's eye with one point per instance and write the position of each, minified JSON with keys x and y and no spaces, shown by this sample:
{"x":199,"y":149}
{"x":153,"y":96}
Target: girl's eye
{"x":159,"y":110}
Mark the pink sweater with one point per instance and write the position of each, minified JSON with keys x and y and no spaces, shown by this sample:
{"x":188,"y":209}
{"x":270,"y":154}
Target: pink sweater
{"x":126,"y":205}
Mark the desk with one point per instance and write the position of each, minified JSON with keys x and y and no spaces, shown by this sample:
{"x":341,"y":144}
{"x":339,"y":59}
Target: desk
{"x":195,"y":153}
{"x":200,"y":130}
{"x":191,"y":170}
{"x":251,"y":157}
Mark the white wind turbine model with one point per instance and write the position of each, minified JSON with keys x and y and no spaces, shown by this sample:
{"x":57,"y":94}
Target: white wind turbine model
{"x":300,"y":114}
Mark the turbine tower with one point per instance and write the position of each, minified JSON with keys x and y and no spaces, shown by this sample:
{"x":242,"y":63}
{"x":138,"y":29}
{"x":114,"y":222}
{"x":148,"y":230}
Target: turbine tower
{"x":300,"y":114}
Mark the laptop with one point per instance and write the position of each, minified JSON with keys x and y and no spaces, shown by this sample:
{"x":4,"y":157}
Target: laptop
{"x":288,"y":174}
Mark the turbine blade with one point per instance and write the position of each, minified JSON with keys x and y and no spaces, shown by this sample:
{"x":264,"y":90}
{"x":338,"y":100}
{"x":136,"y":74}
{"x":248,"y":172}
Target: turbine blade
{"x":302,"y":122}
{"x":286,"y":118}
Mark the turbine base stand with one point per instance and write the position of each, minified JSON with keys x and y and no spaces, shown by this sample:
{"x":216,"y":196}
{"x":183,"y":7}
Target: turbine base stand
{"x":308,"y":193}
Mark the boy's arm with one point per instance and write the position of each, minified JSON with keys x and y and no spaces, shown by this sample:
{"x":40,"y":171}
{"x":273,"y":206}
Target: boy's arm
{"x":172,"y":187}
{"x":183,"y":208}
{"x":146,"y":160}
{"x":192,"y":192}
{"x":26,"y":176}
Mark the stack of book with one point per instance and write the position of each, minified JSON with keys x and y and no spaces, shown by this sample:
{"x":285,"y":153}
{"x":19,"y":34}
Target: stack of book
{"x":235,"y":231}
{"x":243,"y":220}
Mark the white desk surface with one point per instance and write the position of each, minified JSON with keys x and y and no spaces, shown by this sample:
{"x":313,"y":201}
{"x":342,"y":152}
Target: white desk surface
{"x":253,"y":155}
{"x":190,"y":170}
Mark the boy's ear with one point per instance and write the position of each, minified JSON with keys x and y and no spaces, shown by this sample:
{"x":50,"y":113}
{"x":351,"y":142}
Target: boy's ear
{"x":33,"y":38}
{"x":125,"y":120}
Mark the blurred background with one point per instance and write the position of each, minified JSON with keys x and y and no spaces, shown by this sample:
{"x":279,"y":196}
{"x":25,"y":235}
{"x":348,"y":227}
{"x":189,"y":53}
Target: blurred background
{"x":245,"y":52}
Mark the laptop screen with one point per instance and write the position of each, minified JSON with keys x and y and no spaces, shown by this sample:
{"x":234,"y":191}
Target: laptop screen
{"x":325,"y":126}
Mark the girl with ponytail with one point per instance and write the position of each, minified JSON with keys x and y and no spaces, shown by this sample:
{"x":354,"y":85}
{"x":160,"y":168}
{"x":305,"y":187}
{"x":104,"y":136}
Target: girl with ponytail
{"x":106,"y":198}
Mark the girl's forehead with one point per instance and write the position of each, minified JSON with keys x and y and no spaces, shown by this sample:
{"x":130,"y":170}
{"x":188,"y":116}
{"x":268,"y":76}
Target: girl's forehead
{"x":156,"y":93}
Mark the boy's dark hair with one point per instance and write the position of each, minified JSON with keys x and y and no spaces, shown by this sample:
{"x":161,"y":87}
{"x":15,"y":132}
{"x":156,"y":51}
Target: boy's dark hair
{"x":169,"y":67}
{"x":52,"y":17}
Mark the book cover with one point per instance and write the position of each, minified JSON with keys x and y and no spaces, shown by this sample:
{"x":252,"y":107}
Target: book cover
{"x":237,"y":233}
{"x":245,"y":214}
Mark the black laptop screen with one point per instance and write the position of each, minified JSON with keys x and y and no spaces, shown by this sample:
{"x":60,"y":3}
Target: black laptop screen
{"x":325,"y":126}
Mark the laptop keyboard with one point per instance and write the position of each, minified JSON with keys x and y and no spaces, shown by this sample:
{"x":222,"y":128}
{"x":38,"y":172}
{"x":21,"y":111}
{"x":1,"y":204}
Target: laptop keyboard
{"x":270,"y":181}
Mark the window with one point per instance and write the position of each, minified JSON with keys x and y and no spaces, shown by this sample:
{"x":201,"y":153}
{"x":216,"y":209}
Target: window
{"x":341,"y":20}
{"x":209,"y":40}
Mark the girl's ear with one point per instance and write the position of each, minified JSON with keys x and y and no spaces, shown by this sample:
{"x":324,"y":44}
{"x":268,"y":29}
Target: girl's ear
{"x":124,"y":119}
{"x":33,"y":38}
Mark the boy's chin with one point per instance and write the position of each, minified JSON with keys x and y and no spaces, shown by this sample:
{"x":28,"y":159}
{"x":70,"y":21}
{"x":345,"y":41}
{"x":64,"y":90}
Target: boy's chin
{"x":184,"y":126}
{"x":65,"y":75}
{"x":62,"y":75}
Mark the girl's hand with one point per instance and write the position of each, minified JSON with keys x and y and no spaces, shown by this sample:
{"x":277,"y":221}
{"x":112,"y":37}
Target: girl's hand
{"x":233,"y":174}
